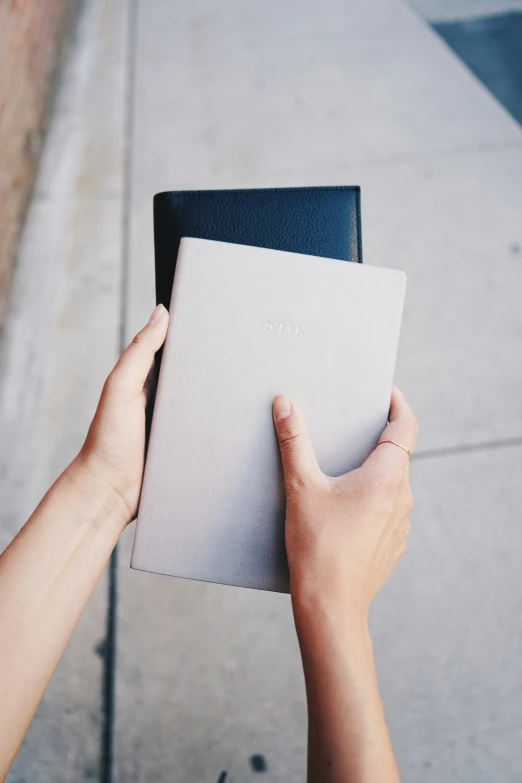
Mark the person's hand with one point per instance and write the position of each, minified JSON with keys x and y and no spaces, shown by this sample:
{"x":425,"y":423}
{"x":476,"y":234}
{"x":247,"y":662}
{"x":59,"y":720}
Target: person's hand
{"x":344,"y":535}
{"x":113,"y":454}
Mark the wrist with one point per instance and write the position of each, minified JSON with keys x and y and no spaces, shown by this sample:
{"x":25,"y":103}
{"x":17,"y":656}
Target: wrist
{"x":320,"y":614}
{"x":102,"y":503}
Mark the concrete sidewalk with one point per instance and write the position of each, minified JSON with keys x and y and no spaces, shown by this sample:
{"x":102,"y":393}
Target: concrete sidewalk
{"x":238,"y":94}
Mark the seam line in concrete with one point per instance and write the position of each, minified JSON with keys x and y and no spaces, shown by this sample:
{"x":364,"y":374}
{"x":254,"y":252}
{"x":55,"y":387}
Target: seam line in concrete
{"x":109,"y":672}
{"x":467,"y":448}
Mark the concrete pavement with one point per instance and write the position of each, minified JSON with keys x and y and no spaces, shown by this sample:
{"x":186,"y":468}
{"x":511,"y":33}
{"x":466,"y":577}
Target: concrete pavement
{"x":366,"y":94}
{"x":229,"y":95}
{"x":61,"y":339}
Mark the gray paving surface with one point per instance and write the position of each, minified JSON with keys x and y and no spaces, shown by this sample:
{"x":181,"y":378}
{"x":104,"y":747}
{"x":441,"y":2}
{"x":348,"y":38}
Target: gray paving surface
{"x":364,"y":94}
{"x":233,"y":94}
{"x":61,"y":340}
{"x":251,"y":94}
{"x":447,"y":631}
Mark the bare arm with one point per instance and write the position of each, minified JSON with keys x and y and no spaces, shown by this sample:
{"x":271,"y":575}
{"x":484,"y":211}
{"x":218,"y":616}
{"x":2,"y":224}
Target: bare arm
{"x":48,"y":572}
{"x":344,"y":536}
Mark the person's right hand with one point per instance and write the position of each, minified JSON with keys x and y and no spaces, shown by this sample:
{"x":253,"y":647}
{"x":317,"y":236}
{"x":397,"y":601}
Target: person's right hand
{"x":344,"y":535}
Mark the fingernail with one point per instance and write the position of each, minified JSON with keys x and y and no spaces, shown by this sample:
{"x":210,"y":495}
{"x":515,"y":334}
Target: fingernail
{"x":282,"y":407}
{"x":157,"y":313}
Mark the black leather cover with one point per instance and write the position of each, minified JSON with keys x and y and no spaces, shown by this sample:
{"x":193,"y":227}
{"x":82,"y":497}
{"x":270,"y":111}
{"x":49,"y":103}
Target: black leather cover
{"x":321,"y":221}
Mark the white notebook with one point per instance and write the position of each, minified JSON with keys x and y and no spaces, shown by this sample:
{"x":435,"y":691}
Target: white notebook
{"x":246,"y":324}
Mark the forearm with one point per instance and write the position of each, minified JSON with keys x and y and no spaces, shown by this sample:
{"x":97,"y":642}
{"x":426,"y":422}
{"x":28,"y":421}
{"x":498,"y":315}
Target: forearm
{"x":348,"y":740}
{"x":46,"y":576}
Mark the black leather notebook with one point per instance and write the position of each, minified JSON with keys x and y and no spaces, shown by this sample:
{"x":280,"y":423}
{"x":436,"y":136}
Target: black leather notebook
{"x":322,"y":221}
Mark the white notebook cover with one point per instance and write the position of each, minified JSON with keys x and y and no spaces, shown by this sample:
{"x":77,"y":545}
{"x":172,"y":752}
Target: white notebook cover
{"x":246,"y":324}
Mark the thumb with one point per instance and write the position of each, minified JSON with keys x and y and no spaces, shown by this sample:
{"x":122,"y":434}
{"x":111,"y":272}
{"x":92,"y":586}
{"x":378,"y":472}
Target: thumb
{"x":297,"y":454}
{"x":130,"y":373}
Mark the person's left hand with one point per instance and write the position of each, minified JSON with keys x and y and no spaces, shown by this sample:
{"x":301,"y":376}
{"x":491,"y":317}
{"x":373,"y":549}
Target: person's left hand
{"x":113,"y":455}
